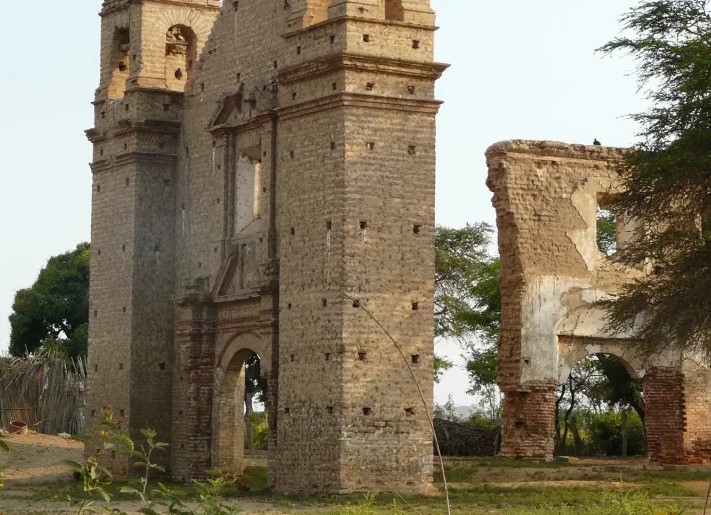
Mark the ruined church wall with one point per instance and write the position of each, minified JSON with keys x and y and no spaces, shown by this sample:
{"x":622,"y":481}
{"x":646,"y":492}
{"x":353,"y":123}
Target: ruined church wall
{"x":331,"y":105}
{"x":546,"y":198}
{"x":697,"y":404}
{"x":310,"y":196}
{"x":389,"y":268}
{"x":239,"y":47}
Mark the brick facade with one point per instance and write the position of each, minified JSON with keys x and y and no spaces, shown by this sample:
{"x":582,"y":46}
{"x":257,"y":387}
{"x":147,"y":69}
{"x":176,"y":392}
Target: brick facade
{"x":257,"y":166}
{"x":546,"y":196}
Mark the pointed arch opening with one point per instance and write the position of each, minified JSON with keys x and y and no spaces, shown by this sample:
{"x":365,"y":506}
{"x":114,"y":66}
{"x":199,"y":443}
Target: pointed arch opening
{"x":180,"y":55}
{"x":120,"y":63}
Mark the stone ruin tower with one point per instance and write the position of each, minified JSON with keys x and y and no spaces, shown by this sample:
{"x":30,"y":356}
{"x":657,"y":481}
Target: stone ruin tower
{"x":263,"y":171}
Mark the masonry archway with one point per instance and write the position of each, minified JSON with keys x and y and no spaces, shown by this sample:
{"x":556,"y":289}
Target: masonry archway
{"x":229,"y":403}
{"x":600,"y":408}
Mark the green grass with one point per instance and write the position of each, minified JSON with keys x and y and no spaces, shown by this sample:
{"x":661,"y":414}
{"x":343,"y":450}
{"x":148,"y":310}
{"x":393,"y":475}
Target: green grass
{"x":479,"y":486}
{"x":256,"y":478}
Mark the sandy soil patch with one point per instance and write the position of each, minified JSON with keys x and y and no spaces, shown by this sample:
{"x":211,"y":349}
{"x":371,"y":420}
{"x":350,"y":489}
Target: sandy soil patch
{"x":36,"y":459}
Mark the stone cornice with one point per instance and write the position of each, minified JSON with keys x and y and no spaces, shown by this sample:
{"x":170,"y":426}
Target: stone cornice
{"x":124,"y":127}
{"x":360,"y":100}
{"x":371,"y":21}
{"x":362,"y":63}
{"x":110,"y":6}
{"x":133,"y":158}
{"x":555,"y":150}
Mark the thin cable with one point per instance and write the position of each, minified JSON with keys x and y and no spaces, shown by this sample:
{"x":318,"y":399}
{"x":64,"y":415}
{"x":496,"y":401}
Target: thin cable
{"x":419,"y":390}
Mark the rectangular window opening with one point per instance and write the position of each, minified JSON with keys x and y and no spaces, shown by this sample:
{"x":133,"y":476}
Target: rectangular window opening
{"x":606,"y":226}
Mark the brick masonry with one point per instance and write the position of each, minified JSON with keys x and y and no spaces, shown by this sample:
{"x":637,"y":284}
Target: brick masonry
{"x":258,"y":165}
{"x":546,"y":196}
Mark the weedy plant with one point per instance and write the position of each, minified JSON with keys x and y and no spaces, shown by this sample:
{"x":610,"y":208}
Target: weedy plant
{"x":6,"y":449}
{"x":109,"y":439}
{"x":367,"y":507}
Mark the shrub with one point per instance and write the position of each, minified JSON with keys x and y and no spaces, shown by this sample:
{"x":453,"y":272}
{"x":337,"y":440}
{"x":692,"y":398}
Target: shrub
{"x":260,"y":431}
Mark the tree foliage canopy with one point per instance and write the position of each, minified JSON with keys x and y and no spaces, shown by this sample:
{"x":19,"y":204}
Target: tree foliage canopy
{"x":468,"y":298}
{"x":667,"y":176}
{"x":54,"y":311}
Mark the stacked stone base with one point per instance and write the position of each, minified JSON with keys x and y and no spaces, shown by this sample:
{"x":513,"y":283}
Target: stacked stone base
{"x":528,"y":426}
{"x":528,"y":423}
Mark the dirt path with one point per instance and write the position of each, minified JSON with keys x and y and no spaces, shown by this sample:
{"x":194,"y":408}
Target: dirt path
{"x":34,"y":470}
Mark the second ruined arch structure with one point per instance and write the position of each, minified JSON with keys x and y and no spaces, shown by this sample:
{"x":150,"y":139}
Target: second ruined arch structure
{"x":257,"y":165}
{"x":547,"y":196}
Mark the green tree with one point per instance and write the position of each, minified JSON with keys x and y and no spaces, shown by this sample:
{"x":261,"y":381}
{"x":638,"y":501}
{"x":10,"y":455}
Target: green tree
{"x":256,"y":388}
{"x":599,"y":386}
{"x":607,"y":232}
{"x":54,"y":311}
{"x":667,"y":176}
{"x":616,"y":387}
{"x":468,"y":298}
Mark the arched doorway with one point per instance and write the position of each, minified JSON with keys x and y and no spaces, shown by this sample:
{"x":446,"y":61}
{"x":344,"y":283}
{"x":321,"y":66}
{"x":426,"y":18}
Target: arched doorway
{"x":600,"y":409}
{"x":240,"y":385}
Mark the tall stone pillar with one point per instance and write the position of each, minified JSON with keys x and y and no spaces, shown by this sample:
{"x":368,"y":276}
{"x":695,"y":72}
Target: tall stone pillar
{"x":528,"y":423}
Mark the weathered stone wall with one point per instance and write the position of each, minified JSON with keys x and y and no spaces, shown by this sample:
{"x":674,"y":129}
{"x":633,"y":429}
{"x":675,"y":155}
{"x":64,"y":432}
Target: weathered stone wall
{"x":546,"y":196}
{"x":133,"y":245}
{"x":697,"y":401}
{"x":286,"y":170}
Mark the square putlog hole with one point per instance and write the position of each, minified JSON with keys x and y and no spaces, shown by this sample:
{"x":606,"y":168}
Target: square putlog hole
{"x":367,"y":411}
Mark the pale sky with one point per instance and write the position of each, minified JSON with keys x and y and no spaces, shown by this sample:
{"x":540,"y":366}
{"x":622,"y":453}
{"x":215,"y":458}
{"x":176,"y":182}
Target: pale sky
{"x":519,"y":69}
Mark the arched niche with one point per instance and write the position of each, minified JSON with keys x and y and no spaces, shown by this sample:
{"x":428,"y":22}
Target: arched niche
{"x":180,"y":55}
{"x":394,"y":10}
{"x":120,"y":64}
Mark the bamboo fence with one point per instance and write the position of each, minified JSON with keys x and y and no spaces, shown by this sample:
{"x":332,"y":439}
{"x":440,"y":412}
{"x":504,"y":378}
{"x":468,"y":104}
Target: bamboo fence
{"x":45,"y":392}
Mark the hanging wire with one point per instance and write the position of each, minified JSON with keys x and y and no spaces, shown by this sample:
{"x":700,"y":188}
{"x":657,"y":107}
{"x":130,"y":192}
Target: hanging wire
{"x":357,"y":303}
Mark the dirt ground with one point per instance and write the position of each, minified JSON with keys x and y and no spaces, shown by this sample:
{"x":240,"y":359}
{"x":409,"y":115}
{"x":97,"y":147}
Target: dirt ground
{"x":33,"y":472}
{"x":37,"y":482}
